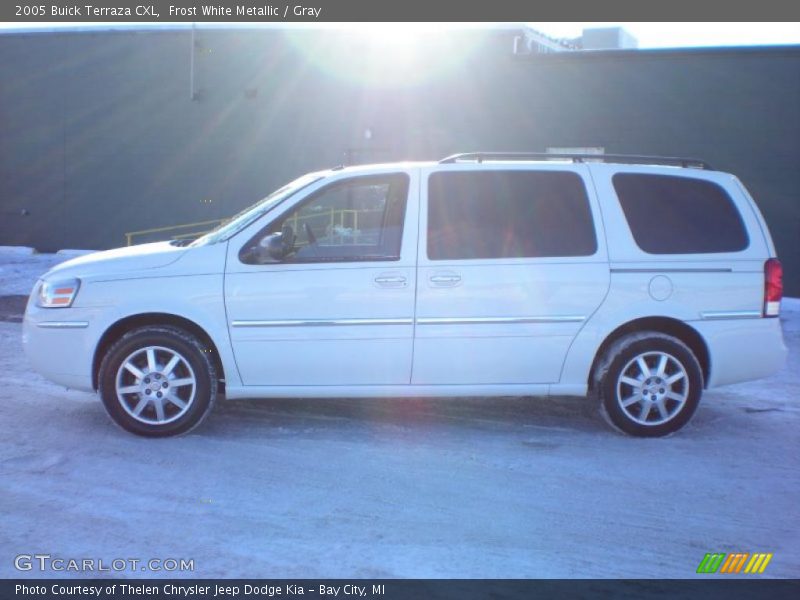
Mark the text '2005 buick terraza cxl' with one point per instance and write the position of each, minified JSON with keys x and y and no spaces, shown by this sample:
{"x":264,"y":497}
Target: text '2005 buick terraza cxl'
{"x":639,"y":282}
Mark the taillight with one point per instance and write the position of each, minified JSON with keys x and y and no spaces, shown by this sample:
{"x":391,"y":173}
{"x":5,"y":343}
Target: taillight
{"x":773,"y":287}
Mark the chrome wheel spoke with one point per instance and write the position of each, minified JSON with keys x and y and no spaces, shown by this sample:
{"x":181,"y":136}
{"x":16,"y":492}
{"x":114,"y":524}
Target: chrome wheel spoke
{"x":181,"y":382}
{"x":133,"y":370}
{"x":662,"y":410}
{"x":676,"y":377}
{"x":173,"y":362}
{"x":643,"y":366}
{"x":130,"y":389}
{"x":673,"y":396}
{"x":159,"y":410}
{"x":151,"y":359}
{"x":140,"y":406}
{"x":176,"y":401}
{"x":634,"y":383}
{"x":645,"y":412}
{"x":632,"y":400}
{"x":662,"y":365}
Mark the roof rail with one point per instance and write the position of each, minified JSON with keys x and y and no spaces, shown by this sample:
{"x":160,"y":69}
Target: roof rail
{"x":622,"y":158}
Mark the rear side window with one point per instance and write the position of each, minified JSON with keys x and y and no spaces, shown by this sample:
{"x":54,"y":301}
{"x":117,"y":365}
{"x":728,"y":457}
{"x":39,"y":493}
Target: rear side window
{"x":508,"y":214}
{"x":679,"y":215}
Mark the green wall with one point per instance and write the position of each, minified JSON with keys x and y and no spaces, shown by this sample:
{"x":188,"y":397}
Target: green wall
{"x":99,"y":134}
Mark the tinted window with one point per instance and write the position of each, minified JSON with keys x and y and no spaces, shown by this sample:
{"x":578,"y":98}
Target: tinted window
{"x":679,"y":215}
{"x":508,"y":214}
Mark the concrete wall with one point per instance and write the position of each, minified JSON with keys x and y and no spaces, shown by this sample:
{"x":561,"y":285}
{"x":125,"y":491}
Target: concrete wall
{"x":99,"y":134}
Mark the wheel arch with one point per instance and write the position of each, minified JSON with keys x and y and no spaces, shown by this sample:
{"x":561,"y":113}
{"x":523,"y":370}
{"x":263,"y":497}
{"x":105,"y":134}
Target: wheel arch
{"x":115,"y":331}
{"x":678,"y":329}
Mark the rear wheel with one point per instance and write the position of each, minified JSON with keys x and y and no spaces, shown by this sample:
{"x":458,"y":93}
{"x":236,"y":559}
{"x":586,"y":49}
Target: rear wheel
{"x":157,"y":381}
{"x":650,"y":384}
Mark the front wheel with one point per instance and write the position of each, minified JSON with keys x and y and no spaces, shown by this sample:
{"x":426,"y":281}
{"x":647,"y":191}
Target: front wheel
{"x":650,"y":384}
{"x":157,"y":381}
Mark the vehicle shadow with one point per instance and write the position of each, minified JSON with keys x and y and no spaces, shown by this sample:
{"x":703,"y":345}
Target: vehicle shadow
{"x":321,"y":415}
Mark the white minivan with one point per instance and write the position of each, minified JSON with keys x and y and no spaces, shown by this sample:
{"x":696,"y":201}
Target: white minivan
{"x":640,"y":281}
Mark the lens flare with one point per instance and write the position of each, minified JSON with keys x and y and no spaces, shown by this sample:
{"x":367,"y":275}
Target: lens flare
{"x":385,"y":54}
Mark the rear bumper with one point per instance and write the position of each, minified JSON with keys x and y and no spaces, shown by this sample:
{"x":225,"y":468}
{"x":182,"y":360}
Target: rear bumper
{"x":743,"y":349}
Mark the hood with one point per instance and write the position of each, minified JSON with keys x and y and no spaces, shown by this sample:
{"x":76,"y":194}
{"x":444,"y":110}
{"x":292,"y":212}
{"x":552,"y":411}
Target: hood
{"x":120,"y":261}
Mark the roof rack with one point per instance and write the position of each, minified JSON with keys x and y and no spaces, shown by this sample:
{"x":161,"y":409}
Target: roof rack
{"x":579,"y":158}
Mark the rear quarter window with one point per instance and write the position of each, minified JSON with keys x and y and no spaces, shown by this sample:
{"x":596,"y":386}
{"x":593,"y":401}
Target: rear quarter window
{"x":679,"y":215}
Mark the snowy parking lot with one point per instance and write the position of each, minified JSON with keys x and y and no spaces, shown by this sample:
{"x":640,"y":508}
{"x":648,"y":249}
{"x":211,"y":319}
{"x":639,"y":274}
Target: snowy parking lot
{"x":512,"y":487}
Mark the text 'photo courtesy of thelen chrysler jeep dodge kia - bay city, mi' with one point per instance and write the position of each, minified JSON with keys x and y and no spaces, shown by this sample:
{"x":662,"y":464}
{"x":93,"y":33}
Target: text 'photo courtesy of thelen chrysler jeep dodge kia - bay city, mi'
{"x":637,"y":282}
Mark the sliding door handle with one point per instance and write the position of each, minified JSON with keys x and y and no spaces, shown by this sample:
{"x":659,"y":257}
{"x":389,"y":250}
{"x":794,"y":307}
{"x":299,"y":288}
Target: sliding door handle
{"x":444,"y":280}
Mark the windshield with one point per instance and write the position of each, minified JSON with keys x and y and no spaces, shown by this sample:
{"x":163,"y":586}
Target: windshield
{"x":250,"y":214}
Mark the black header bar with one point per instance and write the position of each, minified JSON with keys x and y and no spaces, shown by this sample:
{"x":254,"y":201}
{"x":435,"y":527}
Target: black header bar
{"x":318,"y":11}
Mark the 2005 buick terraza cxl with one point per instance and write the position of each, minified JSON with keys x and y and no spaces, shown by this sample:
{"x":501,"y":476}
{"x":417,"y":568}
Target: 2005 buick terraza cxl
{"x":640,"y":281}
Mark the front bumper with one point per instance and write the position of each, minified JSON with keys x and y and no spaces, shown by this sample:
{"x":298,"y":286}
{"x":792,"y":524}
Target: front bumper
{"x":60,"y":343}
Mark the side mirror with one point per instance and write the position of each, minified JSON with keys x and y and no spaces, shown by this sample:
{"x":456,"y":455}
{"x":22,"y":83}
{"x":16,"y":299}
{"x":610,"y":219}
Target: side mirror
{"x":276,"y":246}
{"x":272,"y":248}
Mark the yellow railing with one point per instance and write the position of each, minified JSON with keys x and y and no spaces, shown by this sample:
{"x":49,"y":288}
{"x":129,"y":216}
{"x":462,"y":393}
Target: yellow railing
{"x":205,"y":225}
{"x":334,"y":217}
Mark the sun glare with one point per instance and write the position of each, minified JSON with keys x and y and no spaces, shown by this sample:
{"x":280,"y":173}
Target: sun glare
{"x":398,"y":43}
{"x":383,"y":54}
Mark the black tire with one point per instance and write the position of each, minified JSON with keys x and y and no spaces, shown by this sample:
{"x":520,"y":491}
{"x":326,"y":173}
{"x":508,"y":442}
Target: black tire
{"x":666,"y":391}
{"x":183,"y":406}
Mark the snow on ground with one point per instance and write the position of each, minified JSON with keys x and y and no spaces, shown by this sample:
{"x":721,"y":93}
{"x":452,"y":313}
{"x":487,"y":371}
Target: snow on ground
{"x":20,"y":267}
{"x":515,"y":487}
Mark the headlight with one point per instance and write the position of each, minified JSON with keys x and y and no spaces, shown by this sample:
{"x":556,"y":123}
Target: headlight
{"x":57,"y":294}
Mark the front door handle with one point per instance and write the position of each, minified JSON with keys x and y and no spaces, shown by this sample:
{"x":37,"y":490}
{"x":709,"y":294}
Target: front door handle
{"x":391,"y":281}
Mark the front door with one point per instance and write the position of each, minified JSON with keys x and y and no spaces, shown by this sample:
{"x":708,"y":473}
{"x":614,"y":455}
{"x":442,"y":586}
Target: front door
{"x":338,"y":308}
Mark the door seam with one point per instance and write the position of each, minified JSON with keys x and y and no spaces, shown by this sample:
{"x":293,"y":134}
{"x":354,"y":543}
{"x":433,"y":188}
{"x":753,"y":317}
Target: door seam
{"x":416,"y":276}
